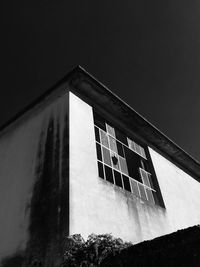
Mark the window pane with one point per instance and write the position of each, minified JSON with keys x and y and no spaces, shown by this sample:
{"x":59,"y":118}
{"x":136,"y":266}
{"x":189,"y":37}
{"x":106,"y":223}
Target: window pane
{"x":145,"y":177}
{"x":99,"y":121}
{"x":99,"y":156}
{"x":131,"y":144}
{"x":118,"y":179}
{"x":123,"y":165}
{"x":104,"y":138}
{"x":156,"y":198}
{"x":109,"y":174}
{"x":121,"y":137}
{"x":106,"y":156}
{"x":97,"y":134}
{"x":133,"y":164}
{"x":126,"y":183}
{"x":142,"y":191}
{"x":143,"y":152}
{"x":150,"y":195}
{"x":115,"y":161}
{"x":113,"y":145}
{"x":100,"y":169}
{"x":120,"y":149}
{"x":150,"y":180}
{"x":134,"y":186}
{"x":137,"y":148}
{"x":110,"y":130}
{"x":145,"y":165}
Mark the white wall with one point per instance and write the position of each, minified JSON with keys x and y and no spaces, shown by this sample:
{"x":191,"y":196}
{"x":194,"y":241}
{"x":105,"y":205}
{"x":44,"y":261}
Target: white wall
{"x":97,"y":206}
{"x":181,"y":193}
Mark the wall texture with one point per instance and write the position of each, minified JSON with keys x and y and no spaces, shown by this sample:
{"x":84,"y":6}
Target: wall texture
{"x":40,"y":205}
{"x":181,"y":193}
{"x":34,"y":187}
{"x":97,"y":206}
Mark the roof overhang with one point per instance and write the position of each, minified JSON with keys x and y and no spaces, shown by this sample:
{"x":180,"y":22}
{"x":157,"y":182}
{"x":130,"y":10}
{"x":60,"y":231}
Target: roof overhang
{"x":100,"y":97}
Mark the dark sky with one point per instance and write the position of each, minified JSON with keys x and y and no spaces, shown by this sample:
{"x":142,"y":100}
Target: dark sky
{"x":147,"y":52}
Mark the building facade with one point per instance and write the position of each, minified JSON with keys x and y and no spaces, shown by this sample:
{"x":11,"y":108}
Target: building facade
{"x":80,"y":160}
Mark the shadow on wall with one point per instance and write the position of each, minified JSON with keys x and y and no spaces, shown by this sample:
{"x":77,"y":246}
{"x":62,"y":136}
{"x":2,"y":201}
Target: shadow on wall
{"x":14,"y":261}
{"x":49,"y":209}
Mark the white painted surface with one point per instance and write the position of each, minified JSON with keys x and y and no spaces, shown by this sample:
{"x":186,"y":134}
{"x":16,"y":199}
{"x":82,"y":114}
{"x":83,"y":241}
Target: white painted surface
{"x":181,"y":193}
{"x":97,"y":206}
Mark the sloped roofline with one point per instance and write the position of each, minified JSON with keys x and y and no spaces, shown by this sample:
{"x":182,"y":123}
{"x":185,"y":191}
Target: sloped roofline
{"x":84,"y":83}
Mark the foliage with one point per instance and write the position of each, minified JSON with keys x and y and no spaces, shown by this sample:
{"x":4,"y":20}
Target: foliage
{"x":92,"y":252}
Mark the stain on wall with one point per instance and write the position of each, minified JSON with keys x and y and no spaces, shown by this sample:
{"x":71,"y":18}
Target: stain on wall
{"x":44,"y":204}
{"x":47,"y":205}
{"x":100,"y":206}
{"x":104,"y":208}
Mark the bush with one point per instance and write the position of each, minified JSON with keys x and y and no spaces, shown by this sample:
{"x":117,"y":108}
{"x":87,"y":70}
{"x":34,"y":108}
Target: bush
{"x":92,"y":252}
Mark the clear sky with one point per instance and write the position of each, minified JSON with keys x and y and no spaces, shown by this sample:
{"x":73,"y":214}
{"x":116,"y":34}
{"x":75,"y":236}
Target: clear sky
{"x":147,"y":52}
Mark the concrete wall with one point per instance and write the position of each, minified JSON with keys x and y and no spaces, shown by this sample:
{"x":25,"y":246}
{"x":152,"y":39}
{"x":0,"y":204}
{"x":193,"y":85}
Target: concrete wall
{"x":97,"y":206}
{"x":33,"y":175}
{"x":181,"y":193}
{"x":35,"y":196}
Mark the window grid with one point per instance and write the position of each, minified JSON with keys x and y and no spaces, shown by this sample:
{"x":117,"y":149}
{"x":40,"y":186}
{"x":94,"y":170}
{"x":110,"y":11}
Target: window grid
{"x":117,"y":140}
{"x":136,"y":148}
{"x":106,"y":145}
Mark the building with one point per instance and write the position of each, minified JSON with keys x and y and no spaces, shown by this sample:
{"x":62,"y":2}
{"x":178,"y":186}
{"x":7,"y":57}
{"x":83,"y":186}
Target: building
{"x":80,"y":160}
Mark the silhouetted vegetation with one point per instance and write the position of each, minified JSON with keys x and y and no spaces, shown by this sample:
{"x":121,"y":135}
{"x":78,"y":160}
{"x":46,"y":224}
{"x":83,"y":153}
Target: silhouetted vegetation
{"x":93,"y":251}
{"x":180,"y":249}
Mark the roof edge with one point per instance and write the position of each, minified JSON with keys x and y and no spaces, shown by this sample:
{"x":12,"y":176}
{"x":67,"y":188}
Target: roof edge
{"x":39,"y":99}
{"x":80,"y":68}
{"x":181,"y":156}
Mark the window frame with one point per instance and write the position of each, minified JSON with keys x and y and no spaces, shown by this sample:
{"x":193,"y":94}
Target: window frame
{"x":153,"y":189}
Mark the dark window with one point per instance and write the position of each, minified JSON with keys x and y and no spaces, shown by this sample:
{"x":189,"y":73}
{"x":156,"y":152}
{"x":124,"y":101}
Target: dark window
{"x":97,"y":134}
{"x":145,"y":165}
{"x":121,"y":137}
{"x":99,"y":121}
{"x":125,"y":163}
{"x":109,"y":174}
{"x":156,"y":197}
{"x":99,"y":156}
{"x":120,"y":149}
{"x":118,"y":179}
{"x":126,"y":183}
{"x":100,"y":167}
{"x":133,"y":164}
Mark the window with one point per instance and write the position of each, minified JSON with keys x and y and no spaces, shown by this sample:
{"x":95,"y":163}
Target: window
{"x":124,"y":163}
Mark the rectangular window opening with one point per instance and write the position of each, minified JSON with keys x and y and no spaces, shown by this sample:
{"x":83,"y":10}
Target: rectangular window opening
{"x":126,"y":183}
{"x":100,"y":168}
{"x":109,"y":174}
{"x":99,"y":155}
{"x":118,"y":179}
{"x":106,"y":156}
{"x":125,"y":163}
